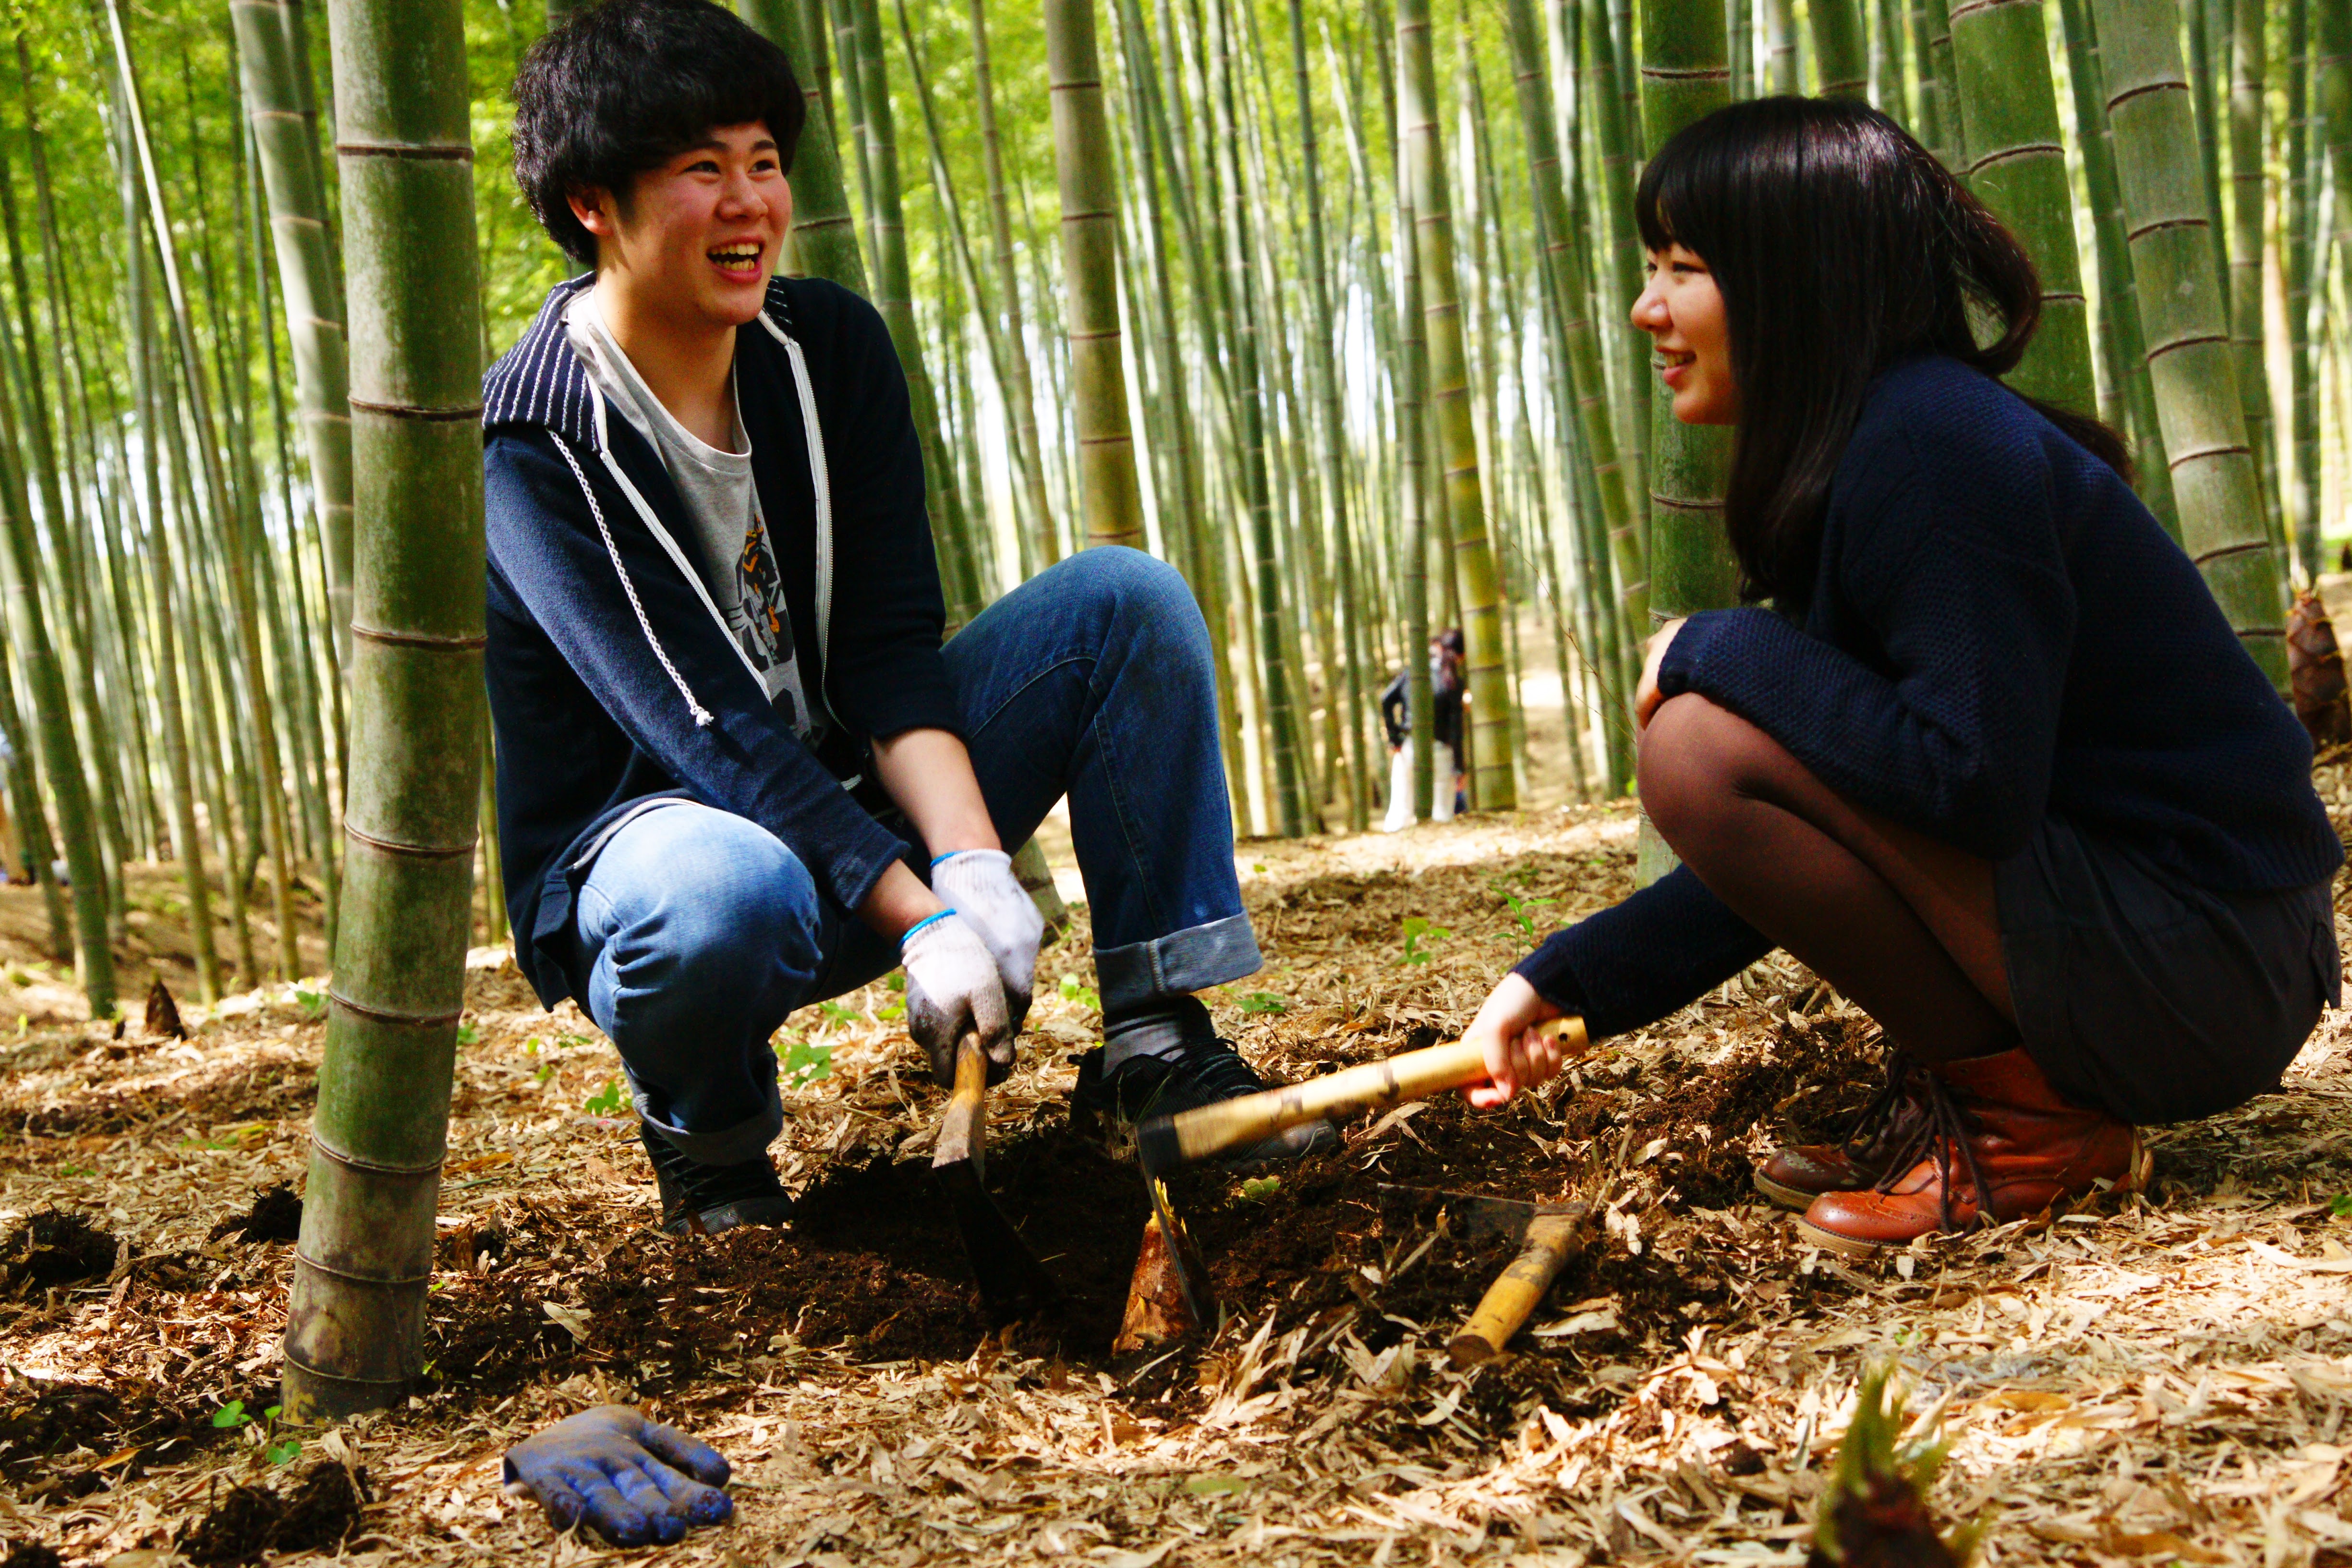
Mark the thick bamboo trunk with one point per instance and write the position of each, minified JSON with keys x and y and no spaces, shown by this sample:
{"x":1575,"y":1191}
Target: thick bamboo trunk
{"x":1111,"y":494}
{"x":1840,"y":48}
{"x":2182,"y":315}
{"x":354,"y":1335}
{"x":1488,"y":728}
{"x":2017,"y":166}
{"x":2118,"y":290}
{"x":825,"y":234}
{"x":277,"y":97}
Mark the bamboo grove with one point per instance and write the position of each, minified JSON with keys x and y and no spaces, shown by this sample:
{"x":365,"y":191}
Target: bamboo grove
{"x":1324,"y":302}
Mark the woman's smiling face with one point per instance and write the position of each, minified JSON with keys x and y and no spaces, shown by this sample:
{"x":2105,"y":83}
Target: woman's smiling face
{"x":1682,"y":311}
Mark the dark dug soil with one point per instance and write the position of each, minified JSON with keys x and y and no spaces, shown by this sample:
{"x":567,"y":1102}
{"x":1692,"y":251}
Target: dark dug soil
{"x":252,"y":1522}
{"x":54,"y":1248}
{"x":58,"y":1420}
{"x":276,"y":1215}
{"x":873,"y":1261}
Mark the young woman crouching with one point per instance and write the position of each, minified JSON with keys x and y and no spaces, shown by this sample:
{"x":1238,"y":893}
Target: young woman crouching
{"x":1981,"y":751}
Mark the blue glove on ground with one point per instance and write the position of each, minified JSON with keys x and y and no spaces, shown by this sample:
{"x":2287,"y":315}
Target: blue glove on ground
{"x":608,"y":1465}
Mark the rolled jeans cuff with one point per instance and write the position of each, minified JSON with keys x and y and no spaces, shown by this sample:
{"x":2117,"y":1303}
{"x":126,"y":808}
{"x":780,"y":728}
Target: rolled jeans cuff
{"x":1177,"y":964}
{"x":746,"y":1139}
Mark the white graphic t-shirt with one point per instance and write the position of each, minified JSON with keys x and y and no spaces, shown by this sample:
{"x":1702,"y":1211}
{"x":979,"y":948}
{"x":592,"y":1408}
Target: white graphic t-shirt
{"x":728,"y":542}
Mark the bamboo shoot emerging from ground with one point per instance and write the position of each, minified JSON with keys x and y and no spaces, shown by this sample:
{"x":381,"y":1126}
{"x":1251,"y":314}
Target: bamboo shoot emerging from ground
{"x":2215,"y":483}
{"x":354,"y":1334}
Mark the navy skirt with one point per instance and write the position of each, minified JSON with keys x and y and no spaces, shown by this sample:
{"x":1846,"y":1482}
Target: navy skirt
{"x":2148,"y":997}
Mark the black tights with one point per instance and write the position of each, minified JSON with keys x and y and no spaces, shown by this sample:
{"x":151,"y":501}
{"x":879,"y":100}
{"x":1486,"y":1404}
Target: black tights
{"x":1903,"y":926}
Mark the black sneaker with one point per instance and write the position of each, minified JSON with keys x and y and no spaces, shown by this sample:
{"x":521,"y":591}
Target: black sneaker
{"x":1110,"y":1105}
{"x":712,"y":1198}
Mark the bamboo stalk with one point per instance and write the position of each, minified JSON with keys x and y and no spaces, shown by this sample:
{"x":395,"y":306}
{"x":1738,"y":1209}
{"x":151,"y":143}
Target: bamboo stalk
{"x":2189,"y":354}
{"x":355,"y":1322}
{"x":1110,"y":492}
{"x":1491,"y":700}
{"x":2017,"y":166}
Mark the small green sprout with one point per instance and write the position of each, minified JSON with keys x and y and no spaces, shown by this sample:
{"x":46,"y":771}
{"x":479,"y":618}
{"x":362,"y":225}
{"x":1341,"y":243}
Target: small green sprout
{"x":312,"y":1002}
{"x":806,"y":1064}
{"x":1418,"y":929}
{"x":835,"y":1013}
{"x":469,"y":1033}
{"x":2340,"y":1204}
{"x":1262,"y":1002}
{"x":1258,"y":1189}
{"x":1075,"y":990}
{"x":279,"y":1453}
{"x":1519,"y":908}
{"x":231,"y":1416}
{"x":610,"y":1100}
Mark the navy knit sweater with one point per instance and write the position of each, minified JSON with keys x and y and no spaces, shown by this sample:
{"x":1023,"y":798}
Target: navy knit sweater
{"x":1998,"y":629}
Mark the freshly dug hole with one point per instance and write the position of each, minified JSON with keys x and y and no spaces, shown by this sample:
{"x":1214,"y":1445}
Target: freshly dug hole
{"x":253,"y":1522}
{"x":54,"y":1248}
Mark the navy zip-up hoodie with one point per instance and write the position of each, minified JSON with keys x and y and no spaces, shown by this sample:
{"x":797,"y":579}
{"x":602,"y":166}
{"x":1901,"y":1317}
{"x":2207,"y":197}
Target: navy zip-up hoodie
{"x":612,"y":680}
{"x":1998,"y":629}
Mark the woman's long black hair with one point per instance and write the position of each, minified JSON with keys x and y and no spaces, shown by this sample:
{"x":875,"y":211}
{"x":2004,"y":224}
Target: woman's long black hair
{"x":1840,"y":247}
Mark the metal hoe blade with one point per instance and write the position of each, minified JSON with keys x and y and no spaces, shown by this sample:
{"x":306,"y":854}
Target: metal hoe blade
{"x":1192,"y":1274}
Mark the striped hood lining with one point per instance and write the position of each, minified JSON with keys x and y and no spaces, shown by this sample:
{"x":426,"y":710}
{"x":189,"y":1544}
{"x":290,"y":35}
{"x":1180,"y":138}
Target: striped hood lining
{"x":541,"y":382}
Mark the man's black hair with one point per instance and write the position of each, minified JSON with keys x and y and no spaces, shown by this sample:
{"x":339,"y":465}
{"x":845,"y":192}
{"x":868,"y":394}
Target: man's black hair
{"x":624,"y":86}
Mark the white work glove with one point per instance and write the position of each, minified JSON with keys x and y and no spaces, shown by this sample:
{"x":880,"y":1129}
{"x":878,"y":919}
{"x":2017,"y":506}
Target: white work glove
{"x":952,"y":991}
{"x":979,"y":884}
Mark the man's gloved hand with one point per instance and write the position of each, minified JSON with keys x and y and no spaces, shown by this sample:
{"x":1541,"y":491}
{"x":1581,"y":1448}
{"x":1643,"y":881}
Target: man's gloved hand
{"x":979,"y":886}
{"x":953,"y":990}
{"x":613,"y":1467}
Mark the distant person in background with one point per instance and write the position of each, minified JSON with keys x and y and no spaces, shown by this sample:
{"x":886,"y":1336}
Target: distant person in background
{"x":11,"y":856}
{"x":1448,"y":693}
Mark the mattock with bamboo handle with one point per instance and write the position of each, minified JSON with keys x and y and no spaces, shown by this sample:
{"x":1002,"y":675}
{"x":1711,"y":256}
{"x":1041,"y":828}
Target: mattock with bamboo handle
{"x":1013,"y":1283}
{"x":1167,"y":1143}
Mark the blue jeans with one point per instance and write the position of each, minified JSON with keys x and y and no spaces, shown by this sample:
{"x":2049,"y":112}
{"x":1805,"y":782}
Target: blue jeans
{"x":700,"y":932}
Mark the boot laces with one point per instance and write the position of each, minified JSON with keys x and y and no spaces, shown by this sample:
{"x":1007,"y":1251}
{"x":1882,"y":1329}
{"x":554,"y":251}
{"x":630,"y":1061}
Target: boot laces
{"x":1887,"y":1120}
{"x":1945,"y":1127}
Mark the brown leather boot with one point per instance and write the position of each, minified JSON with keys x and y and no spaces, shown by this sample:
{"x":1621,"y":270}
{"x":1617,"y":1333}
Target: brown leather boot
{"x":1794,"y":1174}
{"x":1994,"y":1126}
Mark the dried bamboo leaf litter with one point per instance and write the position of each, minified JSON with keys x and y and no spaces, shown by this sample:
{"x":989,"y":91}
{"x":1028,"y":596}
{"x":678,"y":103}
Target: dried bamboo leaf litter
{"x":2159,"y":1378}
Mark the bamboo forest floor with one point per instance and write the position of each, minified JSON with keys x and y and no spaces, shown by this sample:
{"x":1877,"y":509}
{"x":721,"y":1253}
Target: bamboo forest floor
{"x":2163,"y":1377}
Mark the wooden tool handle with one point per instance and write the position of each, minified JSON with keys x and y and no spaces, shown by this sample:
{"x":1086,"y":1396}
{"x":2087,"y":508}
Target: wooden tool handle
{"x":1165,"y":1143}
{"x":1551,"y":1240}
{"x":963,"y":1130}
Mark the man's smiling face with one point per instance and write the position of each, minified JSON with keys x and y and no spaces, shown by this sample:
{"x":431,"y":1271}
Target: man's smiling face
{"x":700,"y":233}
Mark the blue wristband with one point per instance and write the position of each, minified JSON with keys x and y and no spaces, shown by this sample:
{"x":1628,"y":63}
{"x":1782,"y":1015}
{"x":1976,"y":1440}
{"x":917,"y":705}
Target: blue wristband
{"x":909,"y":934}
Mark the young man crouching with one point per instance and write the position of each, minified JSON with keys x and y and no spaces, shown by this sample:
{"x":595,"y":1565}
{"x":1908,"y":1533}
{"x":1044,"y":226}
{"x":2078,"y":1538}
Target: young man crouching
{"x":738,"y":772}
